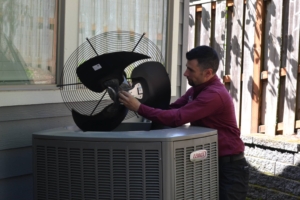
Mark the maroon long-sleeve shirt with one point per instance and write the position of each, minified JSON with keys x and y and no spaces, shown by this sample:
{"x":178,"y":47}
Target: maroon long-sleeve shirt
{"x":207,"y":105}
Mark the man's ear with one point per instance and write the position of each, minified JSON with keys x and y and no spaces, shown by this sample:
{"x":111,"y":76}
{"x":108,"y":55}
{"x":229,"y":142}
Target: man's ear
{"x":209,"y":72}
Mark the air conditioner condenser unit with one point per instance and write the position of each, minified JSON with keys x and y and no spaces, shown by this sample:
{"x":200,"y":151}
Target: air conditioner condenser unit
{"x":176,"y":163}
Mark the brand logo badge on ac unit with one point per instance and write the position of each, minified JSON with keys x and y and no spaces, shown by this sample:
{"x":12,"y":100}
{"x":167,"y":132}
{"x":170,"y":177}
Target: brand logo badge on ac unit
{"x":198,"y":155}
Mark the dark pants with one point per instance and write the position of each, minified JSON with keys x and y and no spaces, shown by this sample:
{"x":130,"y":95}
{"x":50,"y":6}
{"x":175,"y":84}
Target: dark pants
{"x":233,"y":180}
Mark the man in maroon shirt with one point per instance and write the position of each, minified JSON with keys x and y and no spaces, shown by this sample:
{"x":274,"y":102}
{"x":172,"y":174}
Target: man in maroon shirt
{"x":207,"y":103}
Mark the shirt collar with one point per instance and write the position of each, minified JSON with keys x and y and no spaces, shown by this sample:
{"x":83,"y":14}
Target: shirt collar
{"x":199,"y":88}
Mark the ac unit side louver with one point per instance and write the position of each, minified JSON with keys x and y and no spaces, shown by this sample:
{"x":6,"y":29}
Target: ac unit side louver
{"x":125,"y":165}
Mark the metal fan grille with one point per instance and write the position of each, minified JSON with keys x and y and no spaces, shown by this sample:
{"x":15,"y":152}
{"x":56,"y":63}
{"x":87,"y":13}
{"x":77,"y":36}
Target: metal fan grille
{"x":75,"y":95}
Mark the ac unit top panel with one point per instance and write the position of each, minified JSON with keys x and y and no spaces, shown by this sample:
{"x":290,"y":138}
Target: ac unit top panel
{"x":168,"y":134}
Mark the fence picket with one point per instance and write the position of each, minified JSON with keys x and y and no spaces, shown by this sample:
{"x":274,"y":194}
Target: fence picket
{"x":291,"y":67}
{"x":236,"y":55}
{"x":256,"y":85}
{"x":192,"y":23}
{"x":272,"y":49}
{"x":205,"y":25}
{"x":220,"y":36}
{"x":265,"y":85}
{"x":248,"y":64}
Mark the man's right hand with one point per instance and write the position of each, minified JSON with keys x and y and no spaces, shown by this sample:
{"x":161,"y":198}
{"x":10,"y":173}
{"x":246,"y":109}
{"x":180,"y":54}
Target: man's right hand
{"x":129,"y":101}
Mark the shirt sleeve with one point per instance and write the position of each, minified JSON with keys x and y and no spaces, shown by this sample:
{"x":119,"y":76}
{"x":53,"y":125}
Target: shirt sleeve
{"x":205,"y":104}
{"x":183,"y":100}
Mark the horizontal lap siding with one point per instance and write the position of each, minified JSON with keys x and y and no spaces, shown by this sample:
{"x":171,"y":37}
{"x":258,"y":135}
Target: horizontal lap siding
{"x":15,"y":162}
{"x":15,"y":113}
{"x":17,"y":188}
{"x":17,"y":124}
{"x":16,"y":134}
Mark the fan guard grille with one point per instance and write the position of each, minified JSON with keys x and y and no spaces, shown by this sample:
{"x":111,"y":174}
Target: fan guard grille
{"x":79,"y":98}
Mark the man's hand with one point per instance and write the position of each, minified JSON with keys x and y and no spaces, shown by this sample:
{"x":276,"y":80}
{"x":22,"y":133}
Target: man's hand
{"x":129,"y":101}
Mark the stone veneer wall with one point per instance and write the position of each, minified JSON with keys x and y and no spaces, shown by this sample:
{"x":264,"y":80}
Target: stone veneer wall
{"x":274,"y":166}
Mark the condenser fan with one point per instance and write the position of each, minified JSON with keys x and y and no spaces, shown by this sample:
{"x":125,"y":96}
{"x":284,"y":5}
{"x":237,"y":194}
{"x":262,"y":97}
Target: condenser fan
{"x":105,"y":64}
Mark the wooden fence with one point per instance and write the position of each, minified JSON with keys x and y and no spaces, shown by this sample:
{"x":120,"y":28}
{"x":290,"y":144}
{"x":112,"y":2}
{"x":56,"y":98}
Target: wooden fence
{"x":258,"y":44}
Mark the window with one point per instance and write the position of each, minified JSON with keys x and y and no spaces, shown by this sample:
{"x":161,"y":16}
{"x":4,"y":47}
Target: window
{"x":142,"y":16}
{"x":38,"y":36}
{"x":28,"y":42}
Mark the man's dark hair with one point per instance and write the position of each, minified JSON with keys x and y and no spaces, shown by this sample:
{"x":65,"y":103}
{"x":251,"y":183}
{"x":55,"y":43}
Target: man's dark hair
{"x":206,"y":56}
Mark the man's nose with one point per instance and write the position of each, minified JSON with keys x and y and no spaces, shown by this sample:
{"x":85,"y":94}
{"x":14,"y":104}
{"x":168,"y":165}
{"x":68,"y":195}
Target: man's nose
{"x":185,"y":73}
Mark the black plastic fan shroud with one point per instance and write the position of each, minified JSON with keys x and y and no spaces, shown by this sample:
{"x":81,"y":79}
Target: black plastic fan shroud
{"x":78,"y":89}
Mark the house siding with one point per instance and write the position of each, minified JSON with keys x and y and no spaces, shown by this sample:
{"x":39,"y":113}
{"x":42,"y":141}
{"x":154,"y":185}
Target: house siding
{"x":17,"y":123}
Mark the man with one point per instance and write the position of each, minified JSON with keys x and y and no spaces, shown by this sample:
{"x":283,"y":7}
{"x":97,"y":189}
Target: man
{"x":208,"y":104}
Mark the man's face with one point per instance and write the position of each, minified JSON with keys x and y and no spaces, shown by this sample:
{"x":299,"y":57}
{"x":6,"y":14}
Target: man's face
{"x":195,"y":74}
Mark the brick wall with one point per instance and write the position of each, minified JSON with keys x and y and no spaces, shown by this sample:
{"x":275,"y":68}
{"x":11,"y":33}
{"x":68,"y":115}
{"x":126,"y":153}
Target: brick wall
{"x":275,"y":166}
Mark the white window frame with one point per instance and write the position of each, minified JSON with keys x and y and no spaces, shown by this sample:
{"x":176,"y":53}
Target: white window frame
{"x":16,"y":95}
{"x":68,"y":16}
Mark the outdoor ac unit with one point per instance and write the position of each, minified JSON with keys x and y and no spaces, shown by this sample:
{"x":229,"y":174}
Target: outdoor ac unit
{"x":126,"y":165}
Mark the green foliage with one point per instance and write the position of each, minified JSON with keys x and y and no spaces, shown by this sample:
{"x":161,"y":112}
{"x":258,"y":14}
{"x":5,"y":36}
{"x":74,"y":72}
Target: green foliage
{"x":29,"y":73}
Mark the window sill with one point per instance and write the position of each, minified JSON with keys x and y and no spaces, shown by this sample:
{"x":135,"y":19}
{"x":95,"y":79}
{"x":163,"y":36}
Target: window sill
{"x":29,"y":95}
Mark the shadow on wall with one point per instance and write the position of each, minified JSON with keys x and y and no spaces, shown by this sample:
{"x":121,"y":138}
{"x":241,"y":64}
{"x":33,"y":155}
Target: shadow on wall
{"x":263,"y":186}
{"x":273,"y":174}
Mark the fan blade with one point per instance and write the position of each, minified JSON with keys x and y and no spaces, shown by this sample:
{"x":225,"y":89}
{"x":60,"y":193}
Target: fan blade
{"x":108,"y":119}
{"x":95,"y":71}
{"x":155,"y":84}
